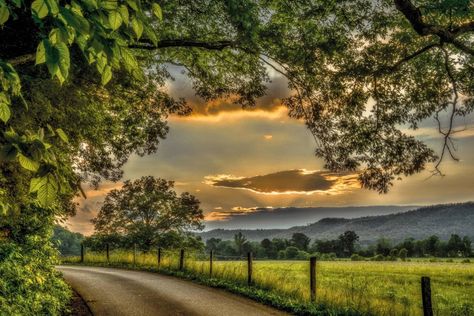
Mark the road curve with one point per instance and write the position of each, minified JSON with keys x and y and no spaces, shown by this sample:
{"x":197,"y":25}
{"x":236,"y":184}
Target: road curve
{"x":120,"y":292}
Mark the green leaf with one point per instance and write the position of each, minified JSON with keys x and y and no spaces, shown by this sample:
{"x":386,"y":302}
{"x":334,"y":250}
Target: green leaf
{"x":106,"y":75}
{"x":52,"y":57}
{"x":47,"y":192}
{"x":8,"y":152}
{"x":137,"y":27}
{"x":5,"y":112}
{"x":4,"y":14}
{"x":124,"y":13}
{"x":109,"y":4}
{"x":40,"y":8}
{"x":64,"y":59}
{"x":91,"y":4}
{"x":62,"y":135}
{"x":115,"y":20}
{"x":40,"y":53}
{"x":52,"y":6}
{"x":46,"y":188}
{"x":157,"y":11}
{"x":130,"y":60}
{"x":132,"y":4}
{"x":28,"y":163}
{"x":76,"y":21}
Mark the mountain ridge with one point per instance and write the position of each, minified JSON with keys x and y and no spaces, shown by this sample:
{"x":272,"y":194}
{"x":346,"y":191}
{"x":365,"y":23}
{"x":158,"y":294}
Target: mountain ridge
{"x":441,"y":220}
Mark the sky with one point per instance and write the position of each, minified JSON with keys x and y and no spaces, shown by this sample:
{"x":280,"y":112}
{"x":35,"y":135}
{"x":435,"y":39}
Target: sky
{"x":246,"y":163}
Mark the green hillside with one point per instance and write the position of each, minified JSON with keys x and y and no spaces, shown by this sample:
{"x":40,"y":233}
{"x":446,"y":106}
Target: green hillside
{"x":441,"y":220}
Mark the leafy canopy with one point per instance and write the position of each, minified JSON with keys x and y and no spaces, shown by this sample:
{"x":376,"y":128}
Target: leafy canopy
{"x":145,"y":209}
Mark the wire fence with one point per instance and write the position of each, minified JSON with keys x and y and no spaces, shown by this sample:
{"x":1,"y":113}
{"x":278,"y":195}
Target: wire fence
{"x":369,"y":287}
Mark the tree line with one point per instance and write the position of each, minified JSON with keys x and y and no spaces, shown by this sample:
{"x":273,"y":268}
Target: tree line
{"x":347,"y":245}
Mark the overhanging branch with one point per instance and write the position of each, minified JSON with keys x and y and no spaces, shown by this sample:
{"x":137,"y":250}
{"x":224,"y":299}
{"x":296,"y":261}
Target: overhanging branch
{"x":448,"y":35}
{"x":215,"y":45}
{"x":148,"y":45}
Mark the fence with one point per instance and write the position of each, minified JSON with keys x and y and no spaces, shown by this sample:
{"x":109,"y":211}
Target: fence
{"x":298,"y":280}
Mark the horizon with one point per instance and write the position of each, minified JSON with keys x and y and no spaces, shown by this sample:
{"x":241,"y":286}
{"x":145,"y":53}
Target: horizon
{"x":209,"y":154}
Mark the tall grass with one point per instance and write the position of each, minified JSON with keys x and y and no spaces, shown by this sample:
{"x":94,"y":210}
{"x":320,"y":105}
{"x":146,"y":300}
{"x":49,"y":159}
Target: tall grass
{"x":378,"y":288}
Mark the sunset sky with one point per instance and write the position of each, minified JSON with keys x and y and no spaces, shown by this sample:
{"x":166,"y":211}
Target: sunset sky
{"x":236,"y":161}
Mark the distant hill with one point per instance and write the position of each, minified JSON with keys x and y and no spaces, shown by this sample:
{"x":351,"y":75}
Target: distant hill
{"x":441,"y":220}
{"x":284,"y":217}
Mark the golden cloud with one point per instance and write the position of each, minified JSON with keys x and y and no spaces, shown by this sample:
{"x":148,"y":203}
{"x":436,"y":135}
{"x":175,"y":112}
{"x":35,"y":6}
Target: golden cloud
{"x":297,"y":181}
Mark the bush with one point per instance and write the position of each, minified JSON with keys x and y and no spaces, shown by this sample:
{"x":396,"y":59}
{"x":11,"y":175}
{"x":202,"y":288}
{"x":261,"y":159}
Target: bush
{"x":328,"y":256}
{"x":291,"y":252}
{"x":357,"y":257}
{"x":282,"y":254}
{"x":378,"y":258}
{"x":29,"y":283}
{"x":302,"y":255}
{"x":466,"y":261}
{"x":403,"y":253}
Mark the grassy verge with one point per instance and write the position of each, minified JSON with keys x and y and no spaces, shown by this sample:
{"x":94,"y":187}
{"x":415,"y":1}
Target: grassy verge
{"x":253,"y":292}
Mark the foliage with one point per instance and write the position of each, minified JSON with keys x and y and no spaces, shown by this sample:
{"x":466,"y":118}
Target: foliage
{"x":67,"y":242}
{"x":148,"y":212}
{"x":344,"y":247}
{"x":300,"y":241}
{"x":29,"y":284}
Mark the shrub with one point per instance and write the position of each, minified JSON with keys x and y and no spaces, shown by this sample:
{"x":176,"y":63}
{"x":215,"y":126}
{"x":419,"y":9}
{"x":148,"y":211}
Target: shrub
{"x":378,"y":258}
{"x":291,"y":252}
{"x":357,"y":257}
{"x":403,"y":253}
{"x":29,"y":283}
{"x":302,"y":255}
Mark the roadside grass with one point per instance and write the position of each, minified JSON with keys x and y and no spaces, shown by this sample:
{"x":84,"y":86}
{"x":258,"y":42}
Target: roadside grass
{"x":343,"y":287}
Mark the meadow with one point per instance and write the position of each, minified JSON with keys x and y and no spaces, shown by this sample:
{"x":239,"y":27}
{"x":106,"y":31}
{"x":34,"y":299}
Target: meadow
{"x":374,"y":288}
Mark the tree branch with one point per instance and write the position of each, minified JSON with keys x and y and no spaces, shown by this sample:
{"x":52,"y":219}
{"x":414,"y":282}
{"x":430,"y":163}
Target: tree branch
{"x":398,"y":64}
{"x":148,"y":45}
{"x":216,"y":45}
{"x":414,"y":16}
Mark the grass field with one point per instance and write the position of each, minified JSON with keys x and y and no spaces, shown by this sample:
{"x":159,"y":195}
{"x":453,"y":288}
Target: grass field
{"x":377,"y":288}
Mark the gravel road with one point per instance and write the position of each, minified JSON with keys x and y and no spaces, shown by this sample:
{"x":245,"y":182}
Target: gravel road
{"x":120,"y":292}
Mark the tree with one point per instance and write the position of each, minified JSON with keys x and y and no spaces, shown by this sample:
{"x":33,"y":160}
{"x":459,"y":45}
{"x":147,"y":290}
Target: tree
{"x":432,"y":244}
{"x":291,"y":252}
{"x":467,"y":243}
{"x":144,"y":209}
{"x":402,"y":254}
{"x":409,"y":245}
{"x":383,"y":247}
{"x":455,"y":246}
{"x":55,"y":55}
{"x":213,"y":243}
{"x":348,"y":240}
{"x":241,"y":243}
{"x":300,"y":241}
{"x":279,"y":243}
{"x":269,"y":248}
{"x":67,"y":242}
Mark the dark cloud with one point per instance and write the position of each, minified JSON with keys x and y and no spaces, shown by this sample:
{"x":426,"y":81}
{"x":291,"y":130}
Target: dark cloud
{"x":181,"y":87}
{"x":289,"y":181}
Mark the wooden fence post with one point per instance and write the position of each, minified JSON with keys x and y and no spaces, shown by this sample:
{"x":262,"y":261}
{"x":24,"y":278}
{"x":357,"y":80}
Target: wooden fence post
{"x":107,"y":250}
{"x":82,"y":253}
{"x":134,"y":254}
{"x":312,"y":278}
{"x":249,"y":268}
{"x":181,"y":260}
{"x":426,"y":296}
{"x":210,"y":264}
{"x":159,"y":257}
